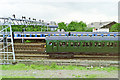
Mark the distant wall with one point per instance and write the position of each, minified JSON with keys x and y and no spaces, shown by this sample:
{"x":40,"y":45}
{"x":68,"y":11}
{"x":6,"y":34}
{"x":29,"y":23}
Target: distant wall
{"x":101,"y":30}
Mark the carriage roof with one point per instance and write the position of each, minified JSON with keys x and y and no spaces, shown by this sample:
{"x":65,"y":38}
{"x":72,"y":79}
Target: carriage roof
{"x":97,"y":38}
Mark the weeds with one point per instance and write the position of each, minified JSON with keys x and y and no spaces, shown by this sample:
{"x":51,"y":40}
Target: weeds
{"x":53,"y":66}
{"x":28,"y":41}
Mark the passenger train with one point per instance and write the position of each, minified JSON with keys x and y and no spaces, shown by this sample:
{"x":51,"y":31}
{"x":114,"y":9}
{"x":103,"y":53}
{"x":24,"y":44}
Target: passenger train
{"x":70,"y":45}
{"x":43,"y":34}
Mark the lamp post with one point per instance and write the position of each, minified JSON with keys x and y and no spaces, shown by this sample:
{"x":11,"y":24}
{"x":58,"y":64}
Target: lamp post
{"x":23,"y":17}
{"x":23,"y":30}
{"x":47,"y":27}
{"x":13,"y":15}
{"x":29,"y":18}
{"x":35,"y":20}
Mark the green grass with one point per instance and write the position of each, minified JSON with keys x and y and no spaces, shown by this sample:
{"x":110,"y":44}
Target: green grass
{"x":53,"y":66}
{"x":91,"y":76}
{"x":94,"y":76}
{"x":88,"y":76}
{"x":77,"y":76}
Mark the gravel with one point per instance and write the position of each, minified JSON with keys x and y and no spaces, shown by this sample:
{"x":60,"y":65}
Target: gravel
{"x":60,"y":73}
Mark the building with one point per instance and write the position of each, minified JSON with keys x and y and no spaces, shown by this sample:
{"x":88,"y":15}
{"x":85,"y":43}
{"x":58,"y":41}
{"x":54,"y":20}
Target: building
{"x":53,"y":27}
{"x":101,"y":26}
{"x":52,"y":23}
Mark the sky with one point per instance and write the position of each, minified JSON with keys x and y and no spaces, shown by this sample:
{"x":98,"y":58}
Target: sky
{"x":62,"y":10}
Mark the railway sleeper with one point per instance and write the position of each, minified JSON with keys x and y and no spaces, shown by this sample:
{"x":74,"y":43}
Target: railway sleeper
{"x":61,"y":55}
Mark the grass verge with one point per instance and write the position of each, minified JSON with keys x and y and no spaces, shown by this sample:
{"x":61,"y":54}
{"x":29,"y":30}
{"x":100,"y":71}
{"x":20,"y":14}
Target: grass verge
{"x":53,"y":66}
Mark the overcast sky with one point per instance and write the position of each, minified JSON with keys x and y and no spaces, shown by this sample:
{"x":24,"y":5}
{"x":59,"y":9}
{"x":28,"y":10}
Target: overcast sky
{"x":62,"y":10}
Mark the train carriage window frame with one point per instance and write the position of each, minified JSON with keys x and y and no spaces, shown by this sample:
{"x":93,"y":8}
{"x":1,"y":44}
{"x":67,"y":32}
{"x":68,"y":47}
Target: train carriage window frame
{"x":108,"y":44}
{"x":75,"y":44}
{"x":79,"y":43}
{"x":96,"y":44}
{"x":67,"y":43}
{"x":119,"y":44}
{"x":63,"y":44}
{"x":91,"y":44}
{"x":111,"y":44}
{"x":99,"y":44}
{"x":103,"y":44}
{"x":55,"y":43}
{"x":71,"y":44}
{"x":87,"y":44}
{"x":83,"y":44}
{"x":50,"y":43}
{"x":60,"y":43}
{"x":115,"y":44}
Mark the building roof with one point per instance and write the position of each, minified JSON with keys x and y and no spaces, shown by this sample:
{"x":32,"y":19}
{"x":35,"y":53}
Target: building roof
{"x":99,"y":24}
{"x":96,"y":38}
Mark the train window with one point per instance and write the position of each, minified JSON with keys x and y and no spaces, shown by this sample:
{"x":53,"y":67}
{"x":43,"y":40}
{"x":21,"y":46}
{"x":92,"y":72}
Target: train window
{"x":96,"y":44}
{"x":90,"y":43}
{"x":119,"y":44}
{"x":55,"y":44}
{"x":115,"y":44}
{"x":87,"y":43}
{"x":103,"y":44}
{"x":99,"y":44}
{"x":111,"y":43}
{"x":75,"y":43}
{"x":50,"y":43}
{"x":108,"y":44}
{"x":63,"y":43}
{"x":71,"y":43}
{"x":60,"y":43}
{"x":83,"y":44}
{"x":67,"y":43}
{"x":78,"y":43}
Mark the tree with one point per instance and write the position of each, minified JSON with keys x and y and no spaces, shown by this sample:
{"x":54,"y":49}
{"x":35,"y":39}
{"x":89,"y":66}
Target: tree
{"x":77,"y":26}
{"x":71,"y":26}
{"x":115,"y":28}
{"x":62,"y":25}
{"x":89,"y":29}
{"x":81,"y":26}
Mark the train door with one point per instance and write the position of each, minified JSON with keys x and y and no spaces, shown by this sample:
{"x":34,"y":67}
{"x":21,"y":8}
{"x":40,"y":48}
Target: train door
{"x":49,"y":45}
{"x":75,"y":46}
{"x":55,"y":46}
{"x":67,"y":49}
{"x":62,"y":46}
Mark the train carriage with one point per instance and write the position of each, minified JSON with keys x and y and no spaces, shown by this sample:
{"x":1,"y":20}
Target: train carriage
{"x":70,"y":45}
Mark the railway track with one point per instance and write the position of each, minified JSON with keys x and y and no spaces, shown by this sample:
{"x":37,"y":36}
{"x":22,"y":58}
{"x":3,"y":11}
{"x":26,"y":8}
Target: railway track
{"x":77,"y":57}
{"x":86,"y":63}
{"x":76,"y":62}
{"x":36,"y":51}
{"x":28,"y":48}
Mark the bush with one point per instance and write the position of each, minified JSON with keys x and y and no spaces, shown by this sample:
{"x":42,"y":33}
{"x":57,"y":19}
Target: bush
{"x":27,"y":41}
